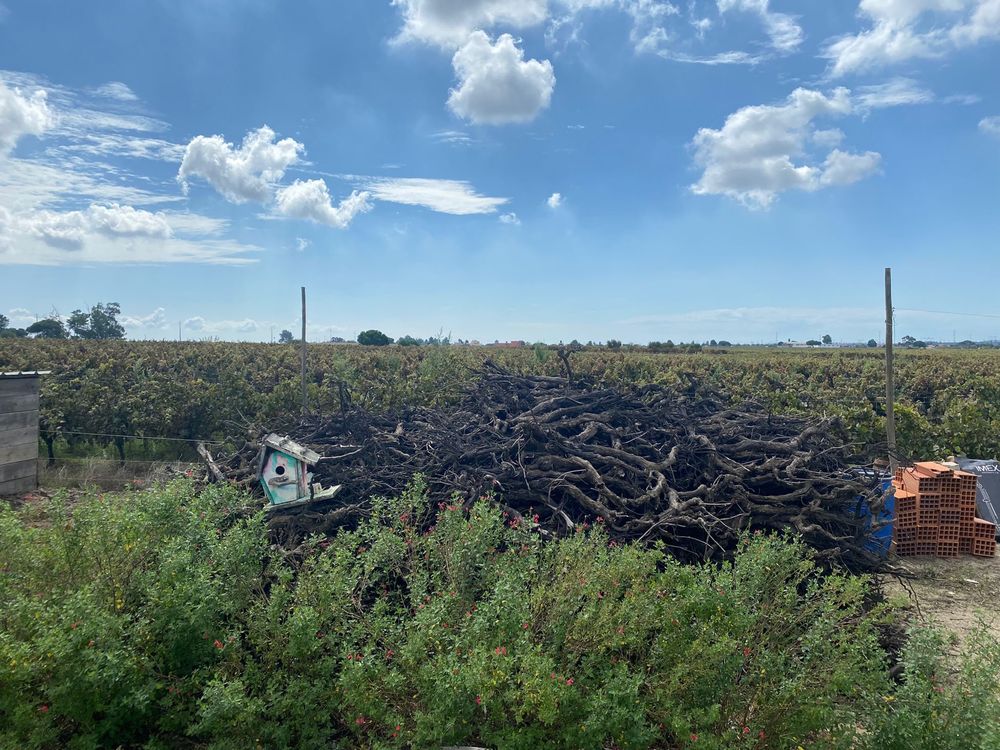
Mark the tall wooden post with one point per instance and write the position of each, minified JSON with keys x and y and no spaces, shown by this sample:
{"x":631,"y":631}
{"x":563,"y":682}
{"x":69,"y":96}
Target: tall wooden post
{"x":304,"y":390}
{"x":890,"y":385}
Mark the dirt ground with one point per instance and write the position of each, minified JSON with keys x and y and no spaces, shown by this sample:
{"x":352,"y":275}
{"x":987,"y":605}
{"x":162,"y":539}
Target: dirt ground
{"x":954,"y":593}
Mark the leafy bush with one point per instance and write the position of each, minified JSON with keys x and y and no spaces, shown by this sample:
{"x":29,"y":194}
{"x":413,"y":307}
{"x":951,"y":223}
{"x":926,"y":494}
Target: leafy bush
{"x":158,"y":619}
{"x":373,"y":338}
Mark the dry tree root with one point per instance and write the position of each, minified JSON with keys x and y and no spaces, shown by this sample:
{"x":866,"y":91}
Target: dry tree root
{"x":650,"y":464}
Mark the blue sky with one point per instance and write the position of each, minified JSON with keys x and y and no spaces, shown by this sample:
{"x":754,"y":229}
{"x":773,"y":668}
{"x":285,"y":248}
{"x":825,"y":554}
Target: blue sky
{"x":503,"y":169}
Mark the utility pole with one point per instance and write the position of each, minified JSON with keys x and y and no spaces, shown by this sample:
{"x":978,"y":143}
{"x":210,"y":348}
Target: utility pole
{"x":304,"y":392}
{"x":890,"y":386}
{"x":178,"y":331}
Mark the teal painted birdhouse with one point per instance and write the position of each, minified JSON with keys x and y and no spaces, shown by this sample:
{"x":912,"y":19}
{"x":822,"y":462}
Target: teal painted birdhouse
{"x":285,"y":472}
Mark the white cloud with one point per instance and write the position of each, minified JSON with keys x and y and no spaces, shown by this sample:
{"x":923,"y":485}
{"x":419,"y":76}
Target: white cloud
{"x":785,"y":33}
{"x":156,"y":319}
{"x":448,"y":22}
{"x":116,"y":90}
{"x":454,"y":137}
{"x":114,"y":234}
{"x":990,"y":125}
{"x":445,"y":196}
{"x":98,"y":249}
{"x":240,"y":174}
{"x":6,"y":224}
{"x":310,"y":199}
{"x":762,"y":151}
{"x":22,"y":315}
{"x":555,"y":200}
{"x":827,"y":138}
{"x":842,"y":168}
{"x":64,"y":205}
{"x":893,"y":93}
{"x":197,"y":324}
{"x":510,"y":218}
{"x":302,"y":244}
{"x":22,"y":115}
{"x":70,"y":228}
{"x":496,"y":85}
{"x":657,"y":28}
{"x":117,"y":144}
{"x":902,"y":30}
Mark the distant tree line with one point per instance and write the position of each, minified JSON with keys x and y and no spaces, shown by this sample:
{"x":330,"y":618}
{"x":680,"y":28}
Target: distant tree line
{"x":100,"y":323}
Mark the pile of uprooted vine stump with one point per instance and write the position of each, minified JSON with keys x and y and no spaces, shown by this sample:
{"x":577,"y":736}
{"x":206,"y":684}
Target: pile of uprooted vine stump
{"x":652,"y":463}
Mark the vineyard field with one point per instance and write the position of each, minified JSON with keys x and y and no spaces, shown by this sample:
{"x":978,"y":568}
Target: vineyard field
{"x":948,"y":401}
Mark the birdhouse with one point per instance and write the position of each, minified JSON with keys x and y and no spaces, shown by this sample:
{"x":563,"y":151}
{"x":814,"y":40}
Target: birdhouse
{"x":284,"y":470}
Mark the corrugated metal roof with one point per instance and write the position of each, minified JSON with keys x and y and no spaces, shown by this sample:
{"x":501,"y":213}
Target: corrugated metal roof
{"x":25,"y":373}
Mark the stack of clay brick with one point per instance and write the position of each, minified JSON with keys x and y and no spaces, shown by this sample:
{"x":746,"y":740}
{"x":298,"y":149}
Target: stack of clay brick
{"x":936,"y":513}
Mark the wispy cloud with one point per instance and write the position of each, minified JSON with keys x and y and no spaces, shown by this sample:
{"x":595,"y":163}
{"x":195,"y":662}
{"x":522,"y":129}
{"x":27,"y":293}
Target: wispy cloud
{"x":116,"y":90}
{"x":444,"y":196}
{"x":454,"y":137}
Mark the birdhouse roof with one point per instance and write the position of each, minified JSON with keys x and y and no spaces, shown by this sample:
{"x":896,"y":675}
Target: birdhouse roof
{"x":287,"y":445}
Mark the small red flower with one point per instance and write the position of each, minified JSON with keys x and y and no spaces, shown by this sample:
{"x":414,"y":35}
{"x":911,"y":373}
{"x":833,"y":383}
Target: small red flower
{"x":569,"y":681}
{"x":746,"y":730}
{"x":552,"y":675}
{"x":535,"y":518}
{"x":694,"y":737}
{"x":219,"y":644}
{"x":500,"y":651}
{"x":389,"y":654}
{"x":524,"y":625}
{"x":43,"y":709}
{"x":761,"y":734}
{"x":479,"y":701}
{"x":746,"y":652}
{"x":360,"y":721}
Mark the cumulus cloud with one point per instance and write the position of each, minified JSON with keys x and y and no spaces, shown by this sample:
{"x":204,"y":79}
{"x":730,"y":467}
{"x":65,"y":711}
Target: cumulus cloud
{"x":72,"y":227}
{"x":842,"y":168}
{"x":763,"y":150}
{"x":449,"y":22}
{"x":22,"y":115}
{"x":901,"y":30}
{"x":496,"y":85}
{"x":113,"y":233}
{"x":555,"y":200}
{"x":156,"y":319}
{"x":197,"y":323}
{"x":445,"y":196}
{"x":241,"y":174}
{"x":990,"y":125}
{"x":510,"y":218}
{"x":310,"y":199}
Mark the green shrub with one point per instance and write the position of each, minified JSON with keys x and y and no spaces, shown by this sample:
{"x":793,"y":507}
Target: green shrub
{"x":155,"y":619}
